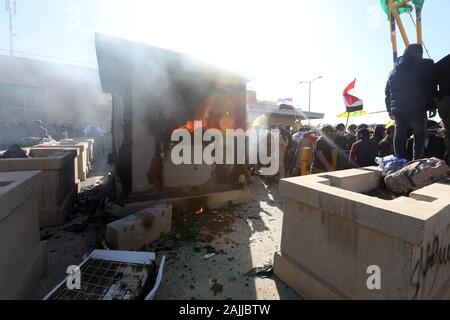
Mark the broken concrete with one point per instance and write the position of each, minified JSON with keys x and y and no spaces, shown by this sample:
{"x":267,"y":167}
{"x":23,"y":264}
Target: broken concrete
{"x":137,"y":230}
{"x":23,"y":258}
{"x":58,"y":182}
{"x":333,"y":234}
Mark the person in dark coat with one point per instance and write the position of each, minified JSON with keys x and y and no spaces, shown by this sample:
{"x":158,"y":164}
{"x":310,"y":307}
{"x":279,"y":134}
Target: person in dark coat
{"x":341,"y":143}
{"x":387,"y":144}
{"x":434,"y":144}
{"x":364,"y":151}
{"x":410,"y":90}
{"x":351,"y":136}
{"x":442,"y":74}
{"x":379,"y":133}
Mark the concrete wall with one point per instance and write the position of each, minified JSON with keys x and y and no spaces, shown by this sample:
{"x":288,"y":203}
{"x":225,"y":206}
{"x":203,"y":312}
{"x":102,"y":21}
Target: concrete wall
{"x":72,"y":94}
{"x":332,"y":234}
{"x":58,"y":183}
{"x":23,"y":258}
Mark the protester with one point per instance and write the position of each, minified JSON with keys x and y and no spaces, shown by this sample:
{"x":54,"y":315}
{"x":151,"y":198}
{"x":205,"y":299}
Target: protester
{"x":364,"y":151}
{"x":350,"y":136}
{"x":284,"y":144}
{"x":379,"y":133}
{"x":442,"y":73}
{"x":387,"y":144}
{"x":434,"y":144}
{"x":363,"y":126}
{"x":323,"y":151}
{"x":409,"y":92}
{"x":342,"y":147}
{"x":307,"y":141}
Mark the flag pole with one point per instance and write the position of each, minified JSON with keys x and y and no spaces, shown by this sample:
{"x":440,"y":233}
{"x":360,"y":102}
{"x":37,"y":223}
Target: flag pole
{"x":348,"y":118}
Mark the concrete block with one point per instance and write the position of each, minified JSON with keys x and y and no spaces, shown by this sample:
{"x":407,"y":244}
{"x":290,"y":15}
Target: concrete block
{"x":332,"y":233}
{"x":215,"y":200}
{"x":58,"y":182}
{"x":139,"y":229}
{"x":81,"y":163}
{"x":88,"y":143}
{"x":23,"y":258}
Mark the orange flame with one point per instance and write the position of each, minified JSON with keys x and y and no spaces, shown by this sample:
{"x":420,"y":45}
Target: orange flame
{"x":200,"y":211}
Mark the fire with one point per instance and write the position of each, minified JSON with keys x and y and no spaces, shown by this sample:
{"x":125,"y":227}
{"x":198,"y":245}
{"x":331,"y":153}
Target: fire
{"x":200,"y":211}
{"x":191,"y":126}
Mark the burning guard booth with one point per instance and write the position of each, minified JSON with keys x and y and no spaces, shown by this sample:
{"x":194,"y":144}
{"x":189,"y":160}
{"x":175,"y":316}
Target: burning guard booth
{"x":156,"y":91}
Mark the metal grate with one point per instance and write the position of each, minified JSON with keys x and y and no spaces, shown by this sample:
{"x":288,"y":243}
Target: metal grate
{"x":107,"y":280}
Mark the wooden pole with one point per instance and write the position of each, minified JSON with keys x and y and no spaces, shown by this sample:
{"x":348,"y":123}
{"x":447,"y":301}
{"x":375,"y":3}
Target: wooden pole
{"x":419,"y":25}
{"x":401,"y":27}
{"x":348,"y":118}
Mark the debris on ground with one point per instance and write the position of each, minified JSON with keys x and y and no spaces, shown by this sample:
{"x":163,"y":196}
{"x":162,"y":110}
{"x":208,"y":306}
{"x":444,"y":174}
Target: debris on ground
{"x":208,"y":255}
{"x":128,"y":276}
{"x":261,"y":272}
{"x":217,"y":288}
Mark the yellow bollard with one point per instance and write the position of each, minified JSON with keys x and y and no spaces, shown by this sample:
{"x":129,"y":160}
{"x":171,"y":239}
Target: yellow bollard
{"x":305,"y":161}
{"x":335,"y":159}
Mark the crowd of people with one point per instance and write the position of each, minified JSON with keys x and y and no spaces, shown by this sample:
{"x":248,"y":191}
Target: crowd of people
{"x":356,"y":146}
{"x":416,"y":90}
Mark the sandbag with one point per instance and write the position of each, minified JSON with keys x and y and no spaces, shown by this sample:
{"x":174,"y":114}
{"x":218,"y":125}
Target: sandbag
{"x":417,"y":175}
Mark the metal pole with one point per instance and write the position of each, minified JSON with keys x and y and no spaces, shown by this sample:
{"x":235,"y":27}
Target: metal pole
{"x":11,"y":50}
{"x":309,"y":100}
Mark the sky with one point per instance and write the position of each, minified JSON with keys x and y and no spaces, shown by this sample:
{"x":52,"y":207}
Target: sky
{"x":276,"y":43}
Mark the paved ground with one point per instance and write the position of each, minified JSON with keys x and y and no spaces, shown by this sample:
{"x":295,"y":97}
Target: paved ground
{"x":234,"y":240}
{"x":243,"y":237}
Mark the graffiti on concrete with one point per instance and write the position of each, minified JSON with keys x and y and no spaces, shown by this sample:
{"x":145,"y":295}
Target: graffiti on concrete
{"x":433,"y":257}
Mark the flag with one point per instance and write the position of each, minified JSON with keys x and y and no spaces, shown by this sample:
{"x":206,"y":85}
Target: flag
{"x":285,"y":102}
{"x":403,"y":9}
{"x":352,"y":103}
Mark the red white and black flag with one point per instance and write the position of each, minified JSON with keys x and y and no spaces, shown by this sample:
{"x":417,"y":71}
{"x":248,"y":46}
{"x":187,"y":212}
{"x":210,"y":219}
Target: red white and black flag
{"x":352,"y":103}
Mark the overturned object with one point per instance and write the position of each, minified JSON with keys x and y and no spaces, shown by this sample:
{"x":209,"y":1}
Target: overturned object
{"x":112,"y":275}
{"x":416,"y":175}
{"x":137,"y":230}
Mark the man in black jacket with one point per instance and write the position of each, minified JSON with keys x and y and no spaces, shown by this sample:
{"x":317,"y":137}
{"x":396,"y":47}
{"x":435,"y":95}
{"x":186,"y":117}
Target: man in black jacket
{"x":442,"y":73}
{"x":409,"y":95}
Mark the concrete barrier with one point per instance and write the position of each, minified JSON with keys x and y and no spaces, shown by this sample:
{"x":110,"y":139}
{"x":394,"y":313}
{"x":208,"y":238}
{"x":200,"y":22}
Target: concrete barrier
{"x":139,"y":229}
{"x":89,"y":143}
{"x":58,"y":182}
{"x":23,"y":257}
{"x":338,"y":243}
{"x":81,"y":159}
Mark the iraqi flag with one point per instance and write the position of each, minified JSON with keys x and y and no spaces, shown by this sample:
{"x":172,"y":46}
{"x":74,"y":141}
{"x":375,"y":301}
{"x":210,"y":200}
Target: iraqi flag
{"x":352,"y":103}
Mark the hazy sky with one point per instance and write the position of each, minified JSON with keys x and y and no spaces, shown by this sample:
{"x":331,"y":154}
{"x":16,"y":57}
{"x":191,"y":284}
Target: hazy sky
{"x":278,"y":43}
